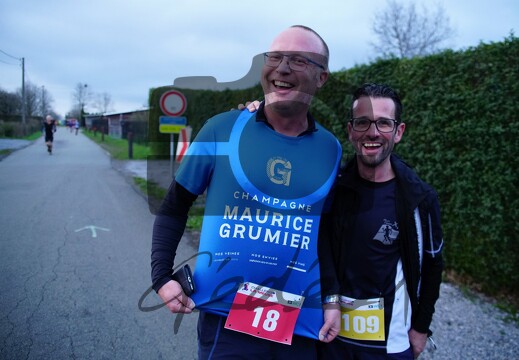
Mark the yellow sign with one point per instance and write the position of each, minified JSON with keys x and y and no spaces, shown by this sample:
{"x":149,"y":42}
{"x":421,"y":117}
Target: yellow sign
{"x":170,"y":129}
{"x":171,"y":125}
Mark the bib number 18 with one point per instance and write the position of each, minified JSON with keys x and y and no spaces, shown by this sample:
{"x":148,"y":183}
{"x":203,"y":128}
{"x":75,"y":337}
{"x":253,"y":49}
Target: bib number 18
{"x":270,"y":321}
{"x":264,"y":312}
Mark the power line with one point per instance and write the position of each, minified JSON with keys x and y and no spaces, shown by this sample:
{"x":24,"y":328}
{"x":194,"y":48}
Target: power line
{"x":8,"y":63}
{"x":11,"y":56}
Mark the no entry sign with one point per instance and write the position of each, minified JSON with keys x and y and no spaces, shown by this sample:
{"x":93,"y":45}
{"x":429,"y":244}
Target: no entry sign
{"x":173,"y":103}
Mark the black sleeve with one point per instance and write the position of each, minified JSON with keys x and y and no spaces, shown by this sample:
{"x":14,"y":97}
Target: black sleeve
{"x":432,"y":267}
{"x":168,"y":229}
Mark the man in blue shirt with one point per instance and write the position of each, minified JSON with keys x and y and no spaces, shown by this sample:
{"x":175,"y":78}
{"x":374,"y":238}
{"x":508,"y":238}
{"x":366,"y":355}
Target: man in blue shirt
{"x":267,"y":175}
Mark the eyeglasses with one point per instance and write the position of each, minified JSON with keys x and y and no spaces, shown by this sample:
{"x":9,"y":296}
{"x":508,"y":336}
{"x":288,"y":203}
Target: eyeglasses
{"x":383,"y":125}
{"x":295,"y":62}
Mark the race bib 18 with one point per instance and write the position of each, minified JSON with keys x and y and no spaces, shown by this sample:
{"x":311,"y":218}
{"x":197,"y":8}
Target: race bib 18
{"x":264,"y":312}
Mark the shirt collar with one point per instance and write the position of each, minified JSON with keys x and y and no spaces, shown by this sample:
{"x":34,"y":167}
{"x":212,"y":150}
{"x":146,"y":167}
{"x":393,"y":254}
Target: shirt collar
{"x":261,"y":117}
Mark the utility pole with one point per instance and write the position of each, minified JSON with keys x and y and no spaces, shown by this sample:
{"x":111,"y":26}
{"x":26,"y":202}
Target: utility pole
{"x":24,"y":127}
{"x":82,"y":114}
{"x":23,"y":98}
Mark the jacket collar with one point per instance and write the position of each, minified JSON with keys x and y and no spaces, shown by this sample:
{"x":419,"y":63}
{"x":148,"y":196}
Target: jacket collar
{"x":412,"y":188}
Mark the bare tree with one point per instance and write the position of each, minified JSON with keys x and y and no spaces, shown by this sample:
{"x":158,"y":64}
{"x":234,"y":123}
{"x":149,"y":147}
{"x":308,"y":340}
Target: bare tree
{"x":45,"y":100}
{"x":10,"y":103}
{"x":38,"y":101}
{"x":81,"y":96}
{"x":32,"y":99}
{"x":404,"y":32}
{"x":103,"y":103}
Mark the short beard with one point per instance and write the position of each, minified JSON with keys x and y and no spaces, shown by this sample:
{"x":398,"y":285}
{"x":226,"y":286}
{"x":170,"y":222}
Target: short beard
{"x":370,"y":162}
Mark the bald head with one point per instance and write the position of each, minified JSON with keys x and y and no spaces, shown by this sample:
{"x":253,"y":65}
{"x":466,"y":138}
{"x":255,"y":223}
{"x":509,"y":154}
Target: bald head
{"x":299,"y":38}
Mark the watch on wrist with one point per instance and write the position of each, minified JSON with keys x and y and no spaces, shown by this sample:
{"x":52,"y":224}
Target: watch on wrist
{"x":331,"y":299}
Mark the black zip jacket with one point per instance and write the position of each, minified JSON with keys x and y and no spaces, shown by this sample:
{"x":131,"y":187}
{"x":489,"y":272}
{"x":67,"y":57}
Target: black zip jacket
{"x":420,"y":237}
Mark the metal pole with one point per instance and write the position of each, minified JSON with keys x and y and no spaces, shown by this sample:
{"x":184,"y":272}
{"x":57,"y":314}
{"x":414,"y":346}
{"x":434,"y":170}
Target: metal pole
{"x":43,"y":102}
{"x":130,"y":145}
{"x":23,"y":97}
{"x":172,"y":155}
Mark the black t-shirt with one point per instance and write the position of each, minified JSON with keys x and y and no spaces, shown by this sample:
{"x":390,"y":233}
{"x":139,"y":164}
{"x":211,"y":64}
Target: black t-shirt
{"x":49,"y":130}
{"x":373,"y":253}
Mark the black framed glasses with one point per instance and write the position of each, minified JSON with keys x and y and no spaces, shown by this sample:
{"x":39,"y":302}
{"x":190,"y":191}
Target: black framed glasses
{"x":296,"y":62}
{"x":383,"y":125}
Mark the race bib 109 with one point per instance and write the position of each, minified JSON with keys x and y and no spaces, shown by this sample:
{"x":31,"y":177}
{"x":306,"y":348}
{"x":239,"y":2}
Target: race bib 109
{"x":362,"y":319}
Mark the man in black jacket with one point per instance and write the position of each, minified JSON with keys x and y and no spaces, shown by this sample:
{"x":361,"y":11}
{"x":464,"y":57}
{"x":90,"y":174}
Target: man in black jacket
{"x":384,"y":232}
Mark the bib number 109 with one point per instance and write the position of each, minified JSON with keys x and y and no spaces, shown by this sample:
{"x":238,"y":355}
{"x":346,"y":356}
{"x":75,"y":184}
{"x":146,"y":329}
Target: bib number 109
{"x":363,"y":319}
{"x":360,"y":324}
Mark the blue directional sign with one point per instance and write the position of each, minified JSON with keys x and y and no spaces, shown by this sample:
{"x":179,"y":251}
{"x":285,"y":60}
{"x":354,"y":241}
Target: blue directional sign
{"x":171,"y":124}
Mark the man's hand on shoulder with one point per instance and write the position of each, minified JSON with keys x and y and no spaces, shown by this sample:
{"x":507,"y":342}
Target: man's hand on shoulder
{"x":174,"y":298}
{"x":250,"y":105}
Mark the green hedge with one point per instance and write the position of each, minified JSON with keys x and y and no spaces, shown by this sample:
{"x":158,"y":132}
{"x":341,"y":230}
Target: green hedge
{"x":461,"y":110}
{"x":12,"y":126}
{"x":462,"y":124}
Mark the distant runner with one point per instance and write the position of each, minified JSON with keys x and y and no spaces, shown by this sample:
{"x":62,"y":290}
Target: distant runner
{"x":50,"y":129}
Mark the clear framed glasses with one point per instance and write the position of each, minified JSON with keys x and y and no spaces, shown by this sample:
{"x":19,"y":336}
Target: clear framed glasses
{"x":296,"y":62}
{"x":383,"y":125}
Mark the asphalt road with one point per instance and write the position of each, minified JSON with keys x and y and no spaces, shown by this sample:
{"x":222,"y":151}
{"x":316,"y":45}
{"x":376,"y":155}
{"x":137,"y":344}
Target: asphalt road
{"x":74,"y":260}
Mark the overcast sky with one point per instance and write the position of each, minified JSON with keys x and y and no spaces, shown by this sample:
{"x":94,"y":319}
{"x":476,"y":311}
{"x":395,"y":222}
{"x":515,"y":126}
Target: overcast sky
{"x":124,"y":48}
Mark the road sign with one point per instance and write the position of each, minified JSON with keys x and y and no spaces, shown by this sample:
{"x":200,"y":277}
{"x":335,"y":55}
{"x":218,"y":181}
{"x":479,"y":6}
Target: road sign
{"x":171,"y":124}
{"x":173,"y":103}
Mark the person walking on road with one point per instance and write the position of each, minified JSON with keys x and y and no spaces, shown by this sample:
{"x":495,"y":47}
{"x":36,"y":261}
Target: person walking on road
{"x":267,"y":175}
{"x":49,"y":129}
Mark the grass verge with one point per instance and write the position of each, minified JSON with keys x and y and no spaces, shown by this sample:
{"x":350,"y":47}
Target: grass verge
{"x":155,"y":194}
{"x":150,"y":188}
{"x":118,"y":148}
{"x":33,"y":136}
